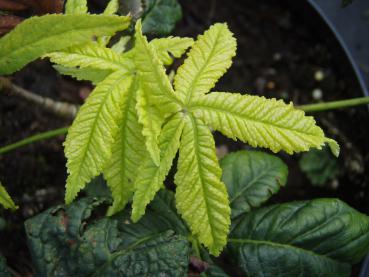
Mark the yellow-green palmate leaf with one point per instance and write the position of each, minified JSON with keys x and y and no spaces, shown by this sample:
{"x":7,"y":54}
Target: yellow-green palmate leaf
{"x":38,"y":36}
{"x":5,"y":199}
{"x":88,"y":146}
{"x":261,"y":122}
{"x":128,"y":153}
{"x":201,"y":196}
{"x":156,"y":90}
{"x":208,"y":59}
{"x":151,"y":176}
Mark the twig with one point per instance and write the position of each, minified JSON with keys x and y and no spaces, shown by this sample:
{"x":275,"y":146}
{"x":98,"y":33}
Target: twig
{"x":32,"y":139}
{"x":62,"y":109}
{"x":324,"y":106}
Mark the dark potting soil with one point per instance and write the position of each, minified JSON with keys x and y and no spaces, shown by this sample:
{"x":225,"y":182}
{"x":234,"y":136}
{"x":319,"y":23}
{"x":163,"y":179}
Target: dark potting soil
{"x":280,"y":49}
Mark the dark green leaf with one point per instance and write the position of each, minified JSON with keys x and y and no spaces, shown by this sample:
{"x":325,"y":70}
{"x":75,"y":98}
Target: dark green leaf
{"x":308,"y":238}
{"x":252,"y":177}
{"x":213,"y":270}
{"x":320,"y":166}
{"x":67,"y":241}
{"x":159,"y":17}
{"x":3,"y":268}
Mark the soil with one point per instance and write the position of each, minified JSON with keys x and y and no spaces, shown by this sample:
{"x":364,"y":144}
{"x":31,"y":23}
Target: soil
{"x":281,"y":46}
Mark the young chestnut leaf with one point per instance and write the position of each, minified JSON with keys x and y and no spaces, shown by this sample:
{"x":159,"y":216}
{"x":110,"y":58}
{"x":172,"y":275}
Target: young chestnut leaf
{"x":201,"y":196}
{"x":151,"y":178}
{"x":260,"y":122}
{"x":88,"y":145}
{"x":128,"y":153}
{"x":34,"y":37}
{"x":5,"y":199}
{"x":156,"y":90}
{"x":76,"y":7}
{"x":207,"y":61}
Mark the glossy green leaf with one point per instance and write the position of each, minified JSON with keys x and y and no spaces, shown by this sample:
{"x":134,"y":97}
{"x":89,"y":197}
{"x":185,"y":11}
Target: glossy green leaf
{"x":209,"y":58}
{"x":308,"y":238}
{"x":161,"y":16}
{"x":128,"y":153}
{"x":65,"y":241}
{"x":76,"y":7}
{"x":201,"y":196}
{"x":5,"y":199}
{"x":151,"y":176}
{"x":320,"y":166}
{"x":252,"y":177}
{"x":261,"y":122}
{"x":34,"y":37}
{"x":88,"y":146}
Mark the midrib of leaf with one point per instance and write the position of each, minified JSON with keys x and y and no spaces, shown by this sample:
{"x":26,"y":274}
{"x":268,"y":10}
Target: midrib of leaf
{"x":87,"y":148}
{"x":288,"y":246}
{"x":199,"y":167}
{"x":190,"y":92}
{"x":193,"y":108}
{"x":127,"y":250}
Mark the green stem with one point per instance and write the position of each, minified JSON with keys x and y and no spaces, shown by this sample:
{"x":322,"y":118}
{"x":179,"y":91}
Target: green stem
{"x":32,"y":139}
{"x":334,"y":105}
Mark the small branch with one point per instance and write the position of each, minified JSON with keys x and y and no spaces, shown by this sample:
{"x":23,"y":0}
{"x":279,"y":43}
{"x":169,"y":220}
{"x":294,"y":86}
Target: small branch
{"x":32,"y":139}
{"x":62,"y":109}
{"x":334,"y":105}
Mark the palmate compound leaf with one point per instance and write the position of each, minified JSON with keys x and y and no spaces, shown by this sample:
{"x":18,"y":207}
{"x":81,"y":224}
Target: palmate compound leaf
{"x":321,"y":237}
{"x":128,"y":153}
{"x":156,"y":93}
{"x":5,"y":199}
{"x":261,"y":122}
{"x":151,"y":176}
{"x":252,"y":177}
{"x":201,"y":197}
{"x":208,"y":59}
{"x":88,"y":146}
{"x":35,"y":37}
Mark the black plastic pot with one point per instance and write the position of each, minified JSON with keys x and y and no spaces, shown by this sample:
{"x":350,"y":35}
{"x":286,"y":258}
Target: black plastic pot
{"x":350,"y":26}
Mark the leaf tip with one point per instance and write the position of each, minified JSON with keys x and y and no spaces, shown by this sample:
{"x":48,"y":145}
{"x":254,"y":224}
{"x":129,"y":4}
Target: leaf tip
{"x":334,"y":146}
